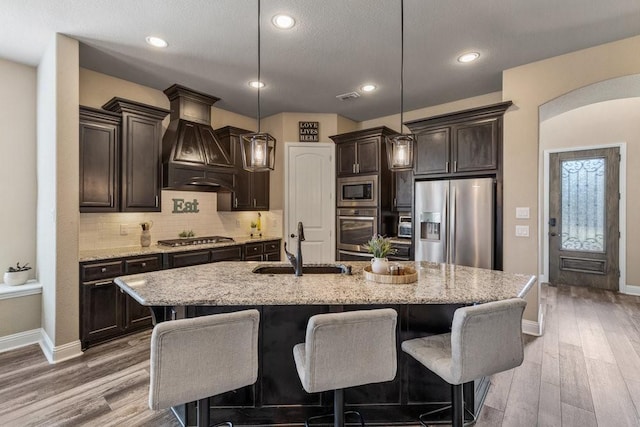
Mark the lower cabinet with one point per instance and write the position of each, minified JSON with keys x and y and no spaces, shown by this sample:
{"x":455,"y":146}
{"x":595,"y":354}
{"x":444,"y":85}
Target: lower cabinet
{"x":106,"y":312}
{"x":262,"y":251}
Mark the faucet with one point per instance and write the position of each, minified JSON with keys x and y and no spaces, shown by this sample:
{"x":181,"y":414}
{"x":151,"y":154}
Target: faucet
{"x":296,"y":261}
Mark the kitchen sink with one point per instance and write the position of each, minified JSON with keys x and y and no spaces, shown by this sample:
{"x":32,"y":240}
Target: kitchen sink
{"x":306,"y":269}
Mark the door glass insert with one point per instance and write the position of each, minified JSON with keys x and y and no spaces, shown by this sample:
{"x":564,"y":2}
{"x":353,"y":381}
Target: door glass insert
{"x":583,"y":195}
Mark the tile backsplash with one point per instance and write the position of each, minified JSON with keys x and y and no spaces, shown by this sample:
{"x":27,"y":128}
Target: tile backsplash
{"x":107,"y":230}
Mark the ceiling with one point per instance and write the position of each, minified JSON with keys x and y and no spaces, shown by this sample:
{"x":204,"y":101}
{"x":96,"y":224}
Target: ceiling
{"x":335,"y":47}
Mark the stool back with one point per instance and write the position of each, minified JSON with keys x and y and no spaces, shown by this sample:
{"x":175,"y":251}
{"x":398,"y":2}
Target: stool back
{"x":486,"y":339}
{"x":195,"y":358}
{"x":350,"y":349}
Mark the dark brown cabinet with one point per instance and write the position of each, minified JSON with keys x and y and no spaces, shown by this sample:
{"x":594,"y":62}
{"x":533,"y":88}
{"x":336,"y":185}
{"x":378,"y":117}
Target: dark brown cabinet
{"x":462,"y":143}
{"x":361,"y":152}
{"x":262,"y":251}
{"x":203,"y":256}
{"x":403,"y":191}
{"x":106,"y":312}
{"x":141,"y":167}
{"x":251,"y":188}
{"x":99,"y":160}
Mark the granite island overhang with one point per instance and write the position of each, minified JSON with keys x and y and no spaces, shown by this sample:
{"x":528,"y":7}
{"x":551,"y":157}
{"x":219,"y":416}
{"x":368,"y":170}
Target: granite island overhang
{"x":286,"y":302}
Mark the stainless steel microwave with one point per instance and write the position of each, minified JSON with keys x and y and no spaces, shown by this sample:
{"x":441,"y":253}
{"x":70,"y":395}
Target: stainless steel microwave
{"x":358,"y":191}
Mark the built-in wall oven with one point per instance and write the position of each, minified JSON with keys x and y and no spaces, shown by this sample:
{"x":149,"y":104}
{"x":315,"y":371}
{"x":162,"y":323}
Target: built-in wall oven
{"x":355,"y":227}
{"x":358,"y":191}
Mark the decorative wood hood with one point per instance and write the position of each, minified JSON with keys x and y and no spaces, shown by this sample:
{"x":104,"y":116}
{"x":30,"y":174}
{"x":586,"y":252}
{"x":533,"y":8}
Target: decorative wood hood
{"x":193,"y":158}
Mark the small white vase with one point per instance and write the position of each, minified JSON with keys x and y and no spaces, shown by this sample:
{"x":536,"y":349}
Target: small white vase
{"x":16,"y":278}
{"x":379,"y":265}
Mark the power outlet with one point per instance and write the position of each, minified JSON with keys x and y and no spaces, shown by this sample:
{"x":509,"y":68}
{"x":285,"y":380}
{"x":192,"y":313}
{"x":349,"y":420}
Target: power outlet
{"x":522,"y":231}
{"x":124,"y":230}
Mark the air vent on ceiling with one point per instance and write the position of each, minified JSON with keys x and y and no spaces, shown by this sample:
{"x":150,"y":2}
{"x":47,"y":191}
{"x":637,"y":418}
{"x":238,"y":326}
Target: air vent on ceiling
{"x":348,"y":96}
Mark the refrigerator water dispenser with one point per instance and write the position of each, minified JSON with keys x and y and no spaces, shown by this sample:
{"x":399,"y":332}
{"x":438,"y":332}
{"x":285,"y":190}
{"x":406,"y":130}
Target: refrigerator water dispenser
{"x":430,"y":225}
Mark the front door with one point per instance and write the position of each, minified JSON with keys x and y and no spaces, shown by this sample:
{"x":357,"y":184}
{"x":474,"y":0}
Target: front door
{"x":310,"y":188}
{"x":584,"y":218}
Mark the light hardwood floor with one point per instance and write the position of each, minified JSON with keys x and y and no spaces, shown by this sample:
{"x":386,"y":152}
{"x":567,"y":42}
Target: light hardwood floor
{"x":585,"y":371}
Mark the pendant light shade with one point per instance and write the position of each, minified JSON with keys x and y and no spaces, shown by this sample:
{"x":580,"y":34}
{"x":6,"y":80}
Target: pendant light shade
{"x":259,"y":148}
{"x":400,"y":146}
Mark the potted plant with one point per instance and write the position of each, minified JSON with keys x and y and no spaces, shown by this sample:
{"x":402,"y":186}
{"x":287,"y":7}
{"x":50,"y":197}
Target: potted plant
{"x":17,"y":275}
{"x":254,"y":227}
{"x":380,"y":247}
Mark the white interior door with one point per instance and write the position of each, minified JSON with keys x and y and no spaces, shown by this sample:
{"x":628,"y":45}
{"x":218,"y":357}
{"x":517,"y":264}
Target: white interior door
{"x":310,"y":198}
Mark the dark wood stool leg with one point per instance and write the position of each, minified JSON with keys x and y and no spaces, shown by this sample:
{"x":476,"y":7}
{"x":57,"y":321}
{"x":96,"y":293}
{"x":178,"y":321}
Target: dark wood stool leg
{"x":457,"y":406}
{"x":338,"y":408}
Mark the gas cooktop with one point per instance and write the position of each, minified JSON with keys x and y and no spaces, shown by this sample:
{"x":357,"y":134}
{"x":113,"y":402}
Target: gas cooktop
{"x":195,"y":241}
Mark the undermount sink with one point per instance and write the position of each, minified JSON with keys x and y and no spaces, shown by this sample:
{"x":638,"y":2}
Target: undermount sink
{"x":306,"y":269}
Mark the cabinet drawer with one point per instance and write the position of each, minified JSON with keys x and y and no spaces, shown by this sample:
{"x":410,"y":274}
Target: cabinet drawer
{"x":251,"y":249}
{"x":103,"y":270}
{"x":142,"y":265}
{"x":185,"y":259}
{"x":402,"y":251}
{"x":231,"y":253}
{"x":272,"y":246}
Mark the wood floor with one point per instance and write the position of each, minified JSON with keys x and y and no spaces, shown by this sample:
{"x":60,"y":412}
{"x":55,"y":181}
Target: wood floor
{"x":585,"y":371}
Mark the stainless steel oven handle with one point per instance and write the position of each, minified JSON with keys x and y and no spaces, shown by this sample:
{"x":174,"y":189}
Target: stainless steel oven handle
{"x":360,"y":254}
{"x":364,"y":218}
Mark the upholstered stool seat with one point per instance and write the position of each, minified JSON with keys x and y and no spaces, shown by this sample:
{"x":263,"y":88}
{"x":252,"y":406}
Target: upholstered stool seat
{"x":346,"y":350}
{"x":485,"y":339}
{"x":193,"y":359}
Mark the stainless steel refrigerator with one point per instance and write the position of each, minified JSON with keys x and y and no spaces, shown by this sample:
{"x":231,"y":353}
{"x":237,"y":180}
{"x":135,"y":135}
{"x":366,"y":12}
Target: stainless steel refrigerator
{"x":454,"y":221}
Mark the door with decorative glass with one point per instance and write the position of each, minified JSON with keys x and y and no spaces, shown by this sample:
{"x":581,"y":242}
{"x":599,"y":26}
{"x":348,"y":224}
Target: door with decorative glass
{"x":584,"y":219}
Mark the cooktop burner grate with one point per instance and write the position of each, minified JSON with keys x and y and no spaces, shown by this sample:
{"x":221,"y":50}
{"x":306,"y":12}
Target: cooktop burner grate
{"x":195,"y":241}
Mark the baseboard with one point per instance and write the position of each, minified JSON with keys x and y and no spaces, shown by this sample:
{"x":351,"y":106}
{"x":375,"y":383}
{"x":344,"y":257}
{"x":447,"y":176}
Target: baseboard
{"x":60,"y":353}
{"x":20,"y":339}
{"x":631,"y":290}
{"x":530,"y":327}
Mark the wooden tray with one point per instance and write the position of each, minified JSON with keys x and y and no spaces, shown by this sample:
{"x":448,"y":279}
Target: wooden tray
{"x":410,"y":276}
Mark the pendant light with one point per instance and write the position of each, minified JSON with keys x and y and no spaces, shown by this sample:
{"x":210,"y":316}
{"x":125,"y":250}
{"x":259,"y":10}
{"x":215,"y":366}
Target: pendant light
{"x":259,"y":148}
{"x":400,"y":146}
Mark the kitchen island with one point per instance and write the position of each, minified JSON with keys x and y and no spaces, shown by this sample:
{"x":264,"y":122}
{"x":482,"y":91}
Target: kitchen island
{"x":286,"y":302}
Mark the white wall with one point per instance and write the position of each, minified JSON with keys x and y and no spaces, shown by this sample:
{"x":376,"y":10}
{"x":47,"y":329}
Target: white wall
{"x":18,"y":166}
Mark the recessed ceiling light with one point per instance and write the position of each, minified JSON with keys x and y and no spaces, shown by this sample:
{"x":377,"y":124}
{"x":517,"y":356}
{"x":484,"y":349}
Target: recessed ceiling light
{"x":256,"y":84}
{"x":368,"y":88}
{"x":156,"y":41}
{"x":283,"y":21}
{"x":468,"y":57}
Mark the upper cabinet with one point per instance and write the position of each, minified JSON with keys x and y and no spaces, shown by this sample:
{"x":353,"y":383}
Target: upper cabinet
{"x":462,"y":143}
{"x":141,"y":173}
{"x":120,"y":164}
{"x":361,"y":152}
{"x":99,"y":160}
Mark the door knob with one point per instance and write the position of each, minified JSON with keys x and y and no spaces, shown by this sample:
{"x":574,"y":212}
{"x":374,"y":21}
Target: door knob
{"x":553,"y":234}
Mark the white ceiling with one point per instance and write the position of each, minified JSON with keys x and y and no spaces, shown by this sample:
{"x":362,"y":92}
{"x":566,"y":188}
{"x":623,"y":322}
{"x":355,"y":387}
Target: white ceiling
{"x":336,"y":46}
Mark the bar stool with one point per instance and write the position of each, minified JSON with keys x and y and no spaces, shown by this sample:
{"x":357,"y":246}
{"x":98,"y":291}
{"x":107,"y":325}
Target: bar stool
{"x":485,"y":339}
{"x":193,"y":359}
{"x":346,"y":350}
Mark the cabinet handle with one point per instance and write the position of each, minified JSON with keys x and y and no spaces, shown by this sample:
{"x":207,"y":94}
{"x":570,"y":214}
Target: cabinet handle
{"x":455,"y":166}
{"x":101,"y":284}
{"x":110,"y":199}
{"x":357,"y":167}
{"x":144,"y":264}
{"x":156,"y":201}
{"x":446,"y":166}
{"x":353,"y":168}
{"x":254,"y":203}
{"x":395,"y":202}
{"x":103,"y":270}
{"x":235,"y":203}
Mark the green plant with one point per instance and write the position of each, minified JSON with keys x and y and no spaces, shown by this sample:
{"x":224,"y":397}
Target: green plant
{"x":379,"y":246}
{"x":18,"y":267}
{"x":254,"y":224}
{"x":185,"y":233}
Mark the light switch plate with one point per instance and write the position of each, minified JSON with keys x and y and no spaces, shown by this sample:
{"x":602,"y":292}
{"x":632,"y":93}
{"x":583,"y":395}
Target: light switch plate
{"x":522,"y":231}
{"x":124,"y":231}
{"x":522,"y":213}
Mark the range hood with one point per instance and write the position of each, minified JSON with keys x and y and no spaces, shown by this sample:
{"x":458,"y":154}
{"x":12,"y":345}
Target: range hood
{"x":192,"y":156}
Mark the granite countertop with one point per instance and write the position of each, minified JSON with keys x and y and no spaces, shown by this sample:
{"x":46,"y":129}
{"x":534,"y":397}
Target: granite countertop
{"x":233,"y":283}
{"x":99,"y":254}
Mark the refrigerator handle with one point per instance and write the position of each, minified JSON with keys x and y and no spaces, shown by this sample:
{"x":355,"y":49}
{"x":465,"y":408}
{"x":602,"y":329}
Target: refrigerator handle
{"x":444,"y":225}
{"x":452,"y":232}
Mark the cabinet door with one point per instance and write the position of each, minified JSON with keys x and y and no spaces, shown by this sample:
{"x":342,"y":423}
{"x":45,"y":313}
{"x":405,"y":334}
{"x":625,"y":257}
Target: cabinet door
{"x":403,"y":190}
{"x":242,"y":199}
{"x":141,"y":177}
{"x":260,"y":191}
{"x":346,"y":158}
{"x":475,"y":146}
{"x":229,"y":253}
{"x":101,"y":311}
{"x":432,"y":152}
{"x":367,"y":157}
{"x":137,"y":316}
{"x":185,"y":259}
{"x":98,"y":167}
